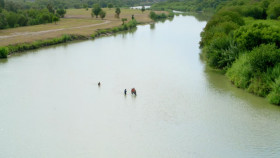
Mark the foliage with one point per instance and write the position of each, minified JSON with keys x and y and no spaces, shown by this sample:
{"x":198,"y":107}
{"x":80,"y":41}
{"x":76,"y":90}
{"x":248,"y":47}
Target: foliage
{"x":43,"y":43}
{"x":251,"y":36}
{"x":155,"y":16}
{"x":222,"y":52}
{"x":127,"y":26}
{"x":118,"y":12}
{"x":263,"y":57}
{"x":55,"y":19}
{"x":61,"y":12}
{"x":102,"y":14}
{"x":3,"y":52}
{"x":96,"y":9}
{"x":123,"y":20}
{"x":241,"y":72}
{"x":143,"y":9}
{"x":273,"y":11}
{"x":110,"y":5}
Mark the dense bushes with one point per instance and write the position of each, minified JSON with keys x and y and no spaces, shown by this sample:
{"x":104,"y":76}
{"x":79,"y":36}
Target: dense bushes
{"x":254,"y":35}
{"x":26,"y":17}
{"x":256,"y":70}
{"x":4,"y":52}
{"x":155,"y":16}
{"x":248,"y":52}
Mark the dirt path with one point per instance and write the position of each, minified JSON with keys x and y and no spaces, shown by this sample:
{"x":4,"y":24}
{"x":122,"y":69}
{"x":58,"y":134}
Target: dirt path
{"x":49,"y":31}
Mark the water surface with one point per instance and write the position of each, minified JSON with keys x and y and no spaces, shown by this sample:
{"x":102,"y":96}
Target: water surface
{"x":51,"y":106}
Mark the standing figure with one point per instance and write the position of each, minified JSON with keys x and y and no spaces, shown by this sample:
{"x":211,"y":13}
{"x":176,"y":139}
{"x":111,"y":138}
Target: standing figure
{"x":124,"y":91}
{"x":99,"y":84}
{"x":133,"y":91}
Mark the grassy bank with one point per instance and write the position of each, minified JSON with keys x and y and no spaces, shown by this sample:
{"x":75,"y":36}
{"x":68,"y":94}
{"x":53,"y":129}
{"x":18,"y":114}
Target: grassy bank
{"x":76,"y":21}
{"x":5,"y":51}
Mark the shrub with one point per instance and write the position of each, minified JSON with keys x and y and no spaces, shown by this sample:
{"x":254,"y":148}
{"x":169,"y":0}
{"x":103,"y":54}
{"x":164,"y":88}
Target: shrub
{"x":4,"y":52}
{"x":248,"y":37}
{"x":264,"y":57}
{"x":241,"y":72}
{"x":274,"y":95}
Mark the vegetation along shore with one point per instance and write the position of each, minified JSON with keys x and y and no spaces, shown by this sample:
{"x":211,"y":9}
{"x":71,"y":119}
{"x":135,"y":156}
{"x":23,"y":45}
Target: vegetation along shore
{"x":71,"y":24}
{"x":242,"y":39}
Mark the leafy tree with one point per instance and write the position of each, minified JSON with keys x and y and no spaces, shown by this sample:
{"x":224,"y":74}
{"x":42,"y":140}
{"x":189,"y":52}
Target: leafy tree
{"x":61,"y":12}
{"x":50,"y":8}
{"x":2,"y":4}
{"x":12,"y":19}
{"x":3,"y":52}
{"x":102,"y":14}
{"x":273,"y":11}
{"x":96,"y":9}
{"x":143,"y":9}
{"x":3,"y":21}
{"x":22,"y":20}
{"x":263,"y":57}
{"x":55,"y":19}
{"x":251,"y":36}
{"x":110,"y":5}
{"x":123,"y":20}
{"x":118,"y":12}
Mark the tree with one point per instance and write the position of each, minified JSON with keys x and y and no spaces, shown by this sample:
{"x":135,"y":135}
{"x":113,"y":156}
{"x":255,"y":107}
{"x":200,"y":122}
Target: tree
{"x":61,"y":12}
{"x":102,"y":14}
{"x":143,"y":9}
{"x":96,"y":9}
{"x":110,"y":5}
{"x":118,"y":12}
{"x":2,"y":3}
{"x":55,"y":19}
{"x":123,"y":20}
{"x":3,"y":21}
{"x":50,"y":8}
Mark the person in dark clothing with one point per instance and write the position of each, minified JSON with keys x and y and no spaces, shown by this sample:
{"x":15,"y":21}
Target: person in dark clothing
{"x":124,"y":91}
{"x":99,"y":84}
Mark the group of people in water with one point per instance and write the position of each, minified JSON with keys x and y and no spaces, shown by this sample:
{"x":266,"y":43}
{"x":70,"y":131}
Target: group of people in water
{"x":133,"y":90}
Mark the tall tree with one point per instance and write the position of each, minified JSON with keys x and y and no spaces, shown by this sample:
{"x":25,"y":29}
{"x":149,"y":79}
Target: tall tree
{"x":2,"y":3}
{"x":143,"y":9}
{"x":50,"y":8}
{"x":118,"y":12}
{"x":96,"y":9}
{"x":102,"y":14}
{"x":61,"y":12}
{"x":110,"y":5}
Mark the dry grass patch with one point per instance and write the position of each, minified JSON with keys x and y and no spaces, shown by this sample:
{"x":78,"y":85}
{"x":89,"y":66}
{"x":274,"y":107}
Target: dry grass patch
{"x":76,"y":21}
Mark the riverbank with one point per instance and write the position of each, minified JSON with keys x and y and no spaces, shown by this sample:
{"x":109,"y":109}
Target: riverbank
{"x":77,"y":25}
{"x":243,"y":42}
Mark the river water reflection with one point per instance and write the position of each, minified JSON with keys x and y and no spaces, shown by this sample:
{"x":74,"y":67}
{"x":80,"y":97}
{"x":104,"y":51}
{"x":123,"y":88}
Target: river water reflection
{"x":51,"y":106}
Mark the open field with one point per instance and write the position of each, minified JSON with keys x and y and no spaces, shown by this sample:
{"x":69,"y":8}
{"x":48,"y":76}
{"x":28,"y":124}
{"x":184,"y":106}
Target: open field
{"x":76,"y":21}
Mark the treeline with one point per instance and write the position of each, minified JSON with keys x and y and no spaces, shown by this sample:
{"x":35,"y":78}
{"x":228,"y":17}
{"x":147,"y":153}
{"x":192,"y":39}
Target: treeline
{"x":243,"y":40}
{"x":83,"y":3}
{"x":188,"y":5}
{"x":14,"y":15}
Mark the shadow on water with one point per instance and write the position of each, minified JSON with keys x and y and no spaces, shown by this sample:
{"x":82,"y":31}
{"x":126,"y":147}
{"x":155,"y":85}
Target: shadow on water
{"x":220,"y":83}
{"x":3,"y":61}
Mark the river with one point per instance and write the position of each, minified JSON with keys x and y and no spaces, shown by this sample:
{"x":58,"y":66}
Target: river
{"x":51,"y":106}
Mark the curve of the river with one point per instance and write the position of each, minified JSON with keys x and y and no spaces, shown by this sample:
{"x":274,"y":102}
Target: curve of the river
{"x":51,"y":106}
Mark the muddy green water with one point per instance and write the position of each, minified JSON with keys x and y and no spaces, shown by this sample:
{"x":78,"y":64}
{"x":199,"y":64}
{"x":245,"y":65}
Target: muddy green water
{"x":51,"y":106}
